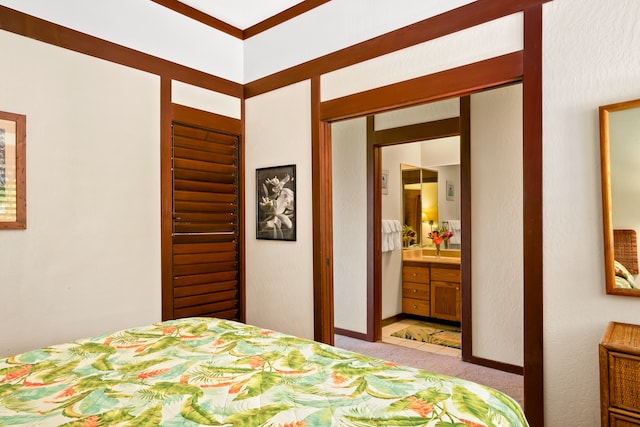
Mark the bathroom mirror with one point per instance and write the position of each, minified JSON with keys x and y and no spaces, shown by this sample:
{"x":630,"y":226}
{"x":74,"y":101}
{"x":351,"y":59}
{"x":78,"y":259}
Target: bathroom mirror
{"x":430,"y":201}
{"x":620,"y":162}
{"x":420,"y":202}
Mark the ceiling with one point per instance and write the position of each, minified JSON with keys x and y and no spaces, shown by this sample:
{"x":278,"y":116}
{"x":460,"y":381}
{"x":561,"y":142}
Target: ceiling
{"x":241,"y":18}
{"x":241,"y":14}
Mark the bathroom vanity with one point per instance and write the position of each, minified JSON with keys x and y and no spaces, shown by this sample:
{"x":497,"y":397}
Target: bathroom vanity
{"x":431,"y":285}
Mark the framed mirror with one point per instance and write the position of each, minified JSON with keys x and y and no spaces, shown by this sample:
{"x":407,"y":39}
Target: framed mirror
{"x":620,"y":162}
{"x":420,"y":202}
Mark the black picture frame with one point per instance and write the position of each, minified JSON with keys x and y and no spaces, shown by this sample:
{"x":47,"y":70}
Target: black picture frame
{"x":276,"y":203}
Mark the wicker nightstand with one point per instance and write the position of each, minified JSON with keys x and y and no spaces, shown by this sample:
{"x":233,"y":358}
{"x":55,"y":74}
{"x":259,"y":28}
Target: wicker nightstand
{"x":620,"y":375}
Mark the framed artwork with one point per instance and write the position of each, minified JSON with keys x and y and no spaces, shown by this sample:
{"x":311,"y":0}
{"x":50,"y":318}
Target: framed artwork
{"x":276,"y":203}
{"x":13,"y":204}
{"x":385,"y":181}
{"x":451,"y":191}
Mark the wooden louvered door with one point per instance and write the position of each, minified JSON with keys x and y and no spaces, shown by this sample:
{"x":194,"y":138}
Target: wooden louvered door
{"x":205,"y":238}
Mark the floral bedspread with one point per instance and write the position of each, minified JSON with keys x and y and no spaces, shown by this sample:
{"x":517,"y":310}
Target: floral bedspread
{"x":202,"y":371}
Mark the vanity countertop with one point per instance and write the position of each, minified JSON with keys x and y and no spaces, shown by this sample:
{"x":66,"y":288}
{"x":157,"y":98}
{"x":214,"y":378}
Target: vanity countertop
{"x":416,"y":255}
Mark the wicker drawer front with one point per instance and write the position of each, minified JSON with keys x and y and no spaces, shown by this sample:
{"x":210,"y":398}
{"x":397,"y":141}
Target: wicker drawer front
{"x":445,"y":274}
{"x":416,"y":306}
{"x":416,"y":290}
{"x":415,"y":274}
{"x":624,"y":377}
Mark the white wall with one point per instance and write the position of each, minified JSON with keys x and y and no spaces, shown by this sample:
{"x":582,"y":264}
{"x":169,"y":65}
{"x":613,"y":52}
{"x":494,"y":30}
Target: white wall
{"x":279,"y":284}
{"x":349,"y":152}
{"x":453,"y":50}
{"x":590,"y":59}
{"x":89,"y":260}
{"x":206,"y":100}
{"x":496,"y":216}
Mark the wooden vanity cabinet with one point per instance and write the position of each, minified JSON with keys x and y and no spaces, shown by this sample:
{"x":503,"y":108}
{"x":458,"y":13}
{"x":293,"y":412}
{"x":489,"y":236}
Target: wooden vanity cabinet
{"x":431,"y":290}
{"x":619,"y":352}
{"x":416,"y":291}
{"x":445,"y":292}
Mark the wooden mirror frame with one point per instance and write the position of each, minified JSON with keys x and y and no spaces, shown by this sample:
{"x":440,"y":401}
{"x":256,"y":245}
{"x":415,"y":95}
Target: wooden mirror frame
{"x":607,"y":212}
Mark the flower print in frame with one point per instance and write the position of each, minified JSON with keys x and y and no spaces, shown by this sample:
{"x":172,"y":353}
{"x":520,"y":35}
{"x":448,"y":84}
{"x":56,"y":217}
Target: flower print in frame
{"x":276,"y":203}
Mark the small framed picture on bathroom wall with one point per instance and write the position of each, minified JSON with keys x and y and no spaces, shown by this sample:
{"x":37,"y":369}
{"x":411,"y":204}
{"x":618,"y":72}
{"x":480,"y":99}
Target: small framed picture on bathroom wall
{"x":451,"y":191}
{"x":385,"y":181}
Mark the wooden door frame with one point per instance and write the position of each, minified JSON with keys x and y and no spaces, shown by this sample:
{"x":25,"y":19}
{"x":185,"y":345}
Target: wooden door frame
{"x":170,"y":113}
{"x":376,"y":140}
{"x":525,"y":66}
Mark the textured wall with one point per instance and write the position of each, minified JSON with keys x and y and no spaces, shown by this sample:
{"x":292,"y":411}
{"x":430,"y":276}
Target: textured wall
{"x":89,"y":260}
{"x":280,"y":273}
{"x":349,"y":146}
{"x":464,"y":47}
{"x":590,"y":59}
{"x":496,"y":215}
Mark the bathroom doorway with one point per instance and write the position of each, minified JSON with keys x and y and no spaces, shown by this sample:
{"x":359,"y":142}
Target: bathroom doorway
{"x":498,"y":131}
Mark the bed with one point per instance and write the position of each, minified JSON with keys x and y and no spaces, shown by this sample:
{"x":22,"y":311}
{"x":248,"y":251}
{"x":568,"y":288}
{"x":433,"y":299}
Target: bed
{"x":205,"y":371}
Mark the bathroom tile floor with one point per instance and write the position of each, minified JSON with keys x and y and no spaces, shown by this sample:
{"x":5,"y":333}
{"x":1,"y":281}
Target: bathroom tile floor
{"x":432,"y":348}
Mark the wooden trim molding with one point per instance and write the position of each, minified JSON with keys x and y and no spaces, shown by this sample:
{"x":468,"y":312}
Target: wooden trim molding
{"x":374,"y":234}
{"x":418,"y":132}
{"x":216,"y":121}
{"x":445,"y":84}
{"x":242,"y":252}
{"x":470,"y":15}
{"x":283,"y":16}
{"x":322,"y":221}
{"x":166,"y":197}
{"x":204,"y":18}
{"x":500,"y":366}
{"x":532,"y":218}
{"x":352,"y":334}
{"x":201,"y":17}
{"x":466,"y":262}
{"x":47,"y":32}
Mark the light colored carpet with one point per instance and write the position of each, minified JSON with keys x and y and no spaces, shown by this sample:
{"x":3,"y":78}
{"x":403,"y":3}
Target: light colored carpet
{"x":510,"y":384}
{"x":432,"y":333}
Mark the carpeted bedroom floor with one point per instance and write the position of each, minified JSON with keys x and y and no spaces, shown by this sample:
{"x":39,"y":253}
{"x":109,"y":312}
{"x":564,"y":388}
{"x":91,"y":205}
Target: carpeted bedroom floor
{"x":510,"y":384}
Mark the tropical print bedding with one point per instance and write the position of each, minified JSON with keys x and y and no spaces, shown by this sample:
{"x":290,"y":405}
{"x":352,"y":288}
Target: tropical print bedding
{"x":202,"y":371}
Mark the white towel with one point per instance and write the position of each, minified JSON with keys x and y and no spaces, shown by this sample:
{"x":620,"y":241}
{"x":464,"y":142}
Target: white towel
{"x":386,"y":231}
{"x":391,"y":235}
{"x":397,"y":235}
{"x":454,"y":225}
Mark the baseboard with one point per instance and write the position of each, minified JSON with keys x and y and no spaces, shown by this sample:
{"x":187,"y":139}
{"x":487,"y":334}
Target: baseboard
{"x":351,"y":334}
{"x":393,"y":319}
{"x":501,"y":366}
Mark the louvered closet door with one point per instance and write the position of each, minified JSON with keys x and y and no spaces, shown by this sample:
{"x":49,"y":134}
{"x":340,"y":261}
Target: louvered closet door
{"x":205,"y":223}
